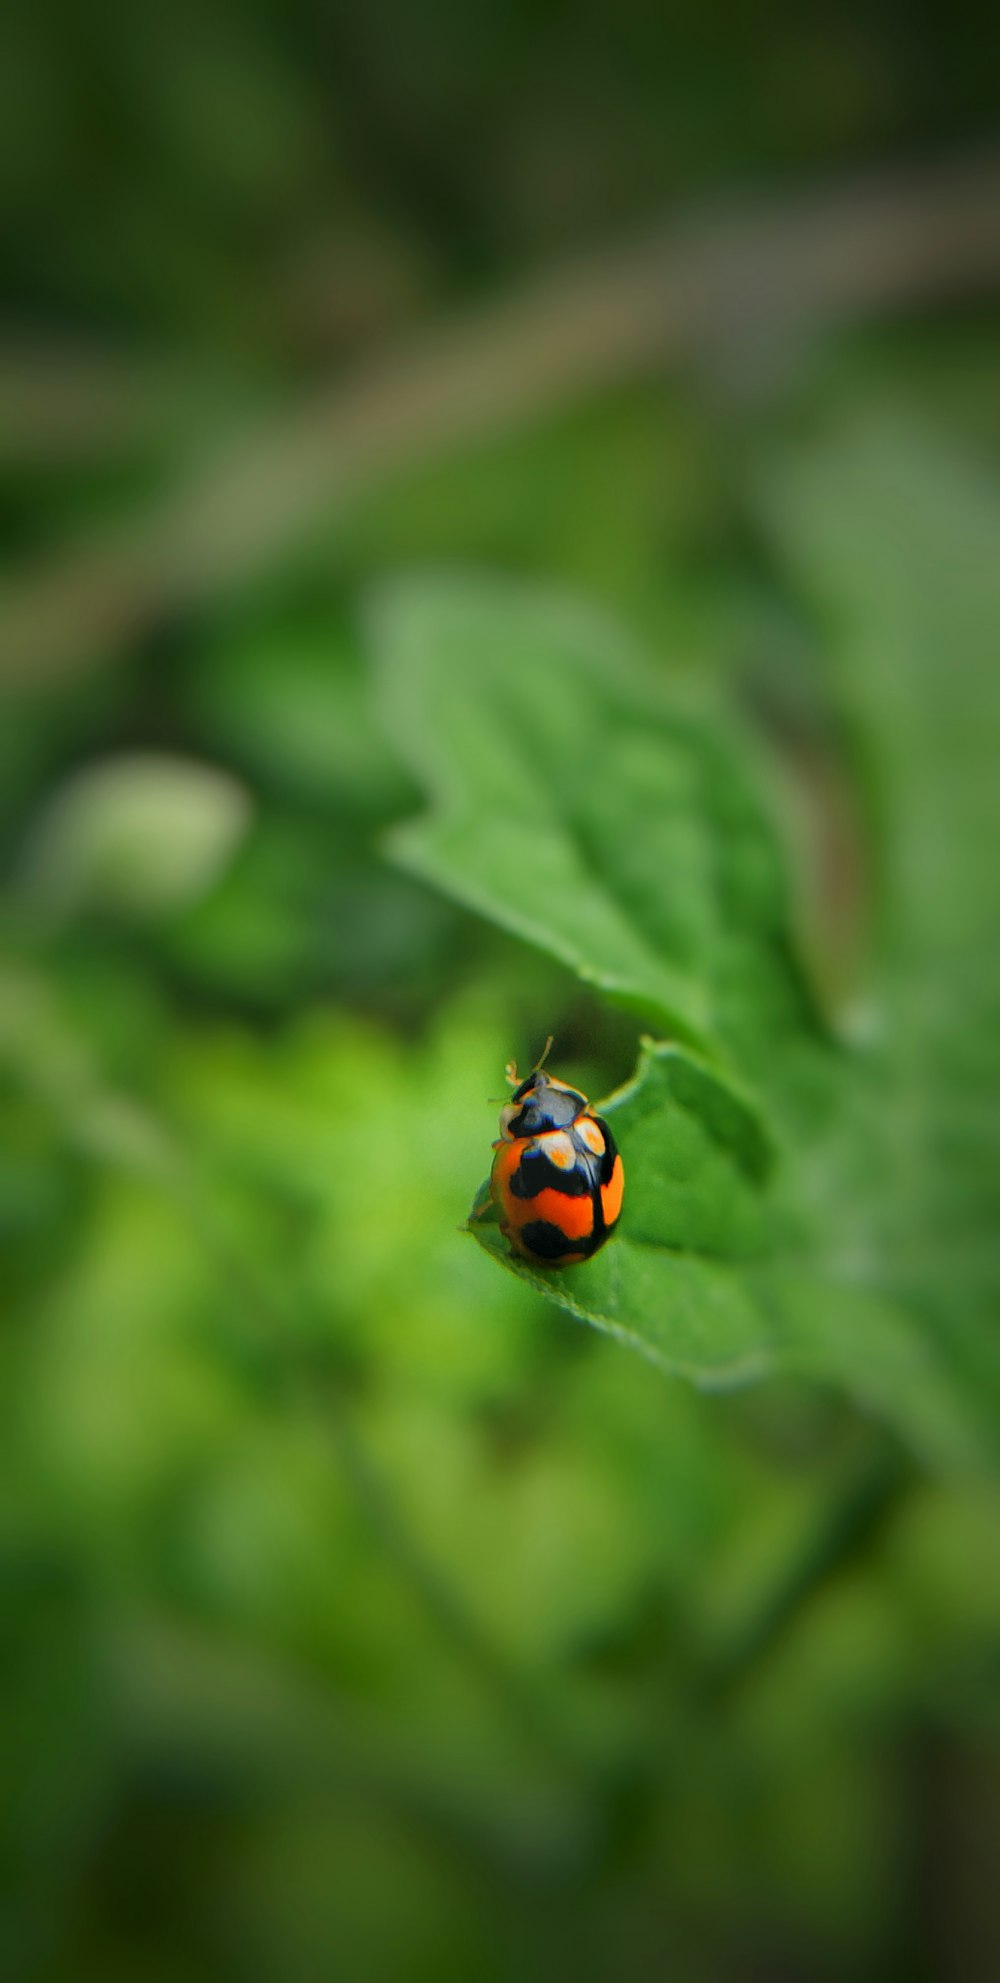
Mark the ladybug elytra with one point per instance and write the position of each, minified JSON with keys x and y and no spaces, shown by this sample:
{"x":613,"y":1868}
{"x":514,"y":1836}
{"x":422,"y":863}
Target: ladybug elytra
{"x":557,"y":1177}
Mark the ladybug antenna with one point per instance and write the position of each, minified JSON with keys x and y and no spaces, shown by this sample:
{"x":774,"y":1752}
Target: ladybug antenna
{"x":510,"y":1072}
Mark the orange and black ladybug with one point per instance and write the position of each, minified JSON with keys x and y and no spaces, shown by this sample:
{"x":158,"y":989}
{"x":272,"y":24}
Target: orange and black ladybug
{"x":557,"y":1178}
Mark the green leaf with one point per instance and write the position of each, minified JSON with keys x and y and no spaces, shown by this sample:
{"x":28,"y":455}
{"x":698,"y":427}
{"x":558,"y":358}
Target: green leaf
{"x":717,"y":1273}
{"x":574,"y":806}
{"x":670,"y":1283}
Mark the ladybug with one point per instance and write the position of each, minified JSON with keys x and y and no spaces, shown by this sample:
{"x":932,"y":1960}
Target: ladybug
{"x":557,"y":1178}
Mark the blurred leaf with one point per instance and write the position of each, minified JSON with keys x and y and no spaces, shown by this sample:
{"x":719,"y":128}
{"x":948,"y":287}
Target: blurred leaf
{"x":575,"y":807}
{"x":892,"y":534}
{"x":140,"y":834}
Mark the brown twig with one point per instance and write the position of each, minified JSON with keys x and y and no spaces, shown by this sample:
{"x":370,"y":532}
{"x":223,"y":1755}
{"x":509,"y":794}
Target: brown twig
{"x":817,"y":261}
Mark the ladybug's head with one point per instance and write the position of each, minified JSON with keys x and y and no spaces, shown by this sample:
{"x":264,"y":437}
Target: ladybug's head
{"x":538,"y":1104}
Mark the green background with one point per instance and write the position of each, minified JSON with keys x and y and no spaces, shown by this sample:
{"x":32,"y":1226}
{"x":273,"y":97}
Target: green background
{"x":396,"y":673}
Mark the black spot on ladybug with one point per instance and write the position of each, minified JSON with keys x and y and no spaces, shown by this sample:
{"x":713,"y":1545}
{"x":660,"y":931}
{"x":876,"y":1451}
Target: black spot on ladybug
{"x":536,"y":1172}
{"x":548,"y":1243}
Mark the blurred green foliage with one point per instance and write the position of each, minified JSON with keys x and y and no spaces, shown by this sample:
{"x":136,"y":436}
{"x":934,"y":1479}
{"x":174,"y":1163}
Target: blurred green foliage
{"x":363,"y":1614}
